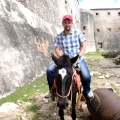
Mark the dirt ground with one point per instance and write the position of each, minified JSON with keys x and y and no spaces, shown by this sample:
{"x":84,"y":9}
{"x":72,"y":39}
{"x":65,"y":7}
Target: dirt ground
{"x":104,"y":74}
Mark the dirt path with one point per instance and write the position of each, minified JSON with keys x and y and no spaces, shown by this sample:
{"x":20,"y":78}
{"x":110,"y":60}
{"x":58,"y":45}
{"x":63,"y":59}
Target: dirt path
{"x":104,"y":74}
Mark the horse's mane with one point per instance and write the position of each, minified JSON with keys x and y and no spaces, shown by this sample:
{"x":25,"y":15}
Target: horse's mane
{"x":64,"y":61}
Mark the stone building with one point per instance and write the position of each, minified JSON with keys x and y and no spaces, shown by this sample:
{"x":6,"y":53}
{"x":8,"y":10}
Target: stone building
{"x":101,"y":28}
{"x":107,"y":28}
{"x":87,"y":27}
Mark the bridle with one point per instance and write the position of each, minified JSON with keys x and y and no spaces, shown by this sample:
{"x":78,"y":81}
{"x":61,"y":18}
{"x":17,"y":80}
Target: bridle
{"x":70,"y":89}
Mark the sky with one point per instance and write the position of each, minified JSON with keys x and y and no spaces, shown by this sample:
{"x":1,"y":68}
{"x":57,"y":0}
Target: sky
{"x":88,"y":4}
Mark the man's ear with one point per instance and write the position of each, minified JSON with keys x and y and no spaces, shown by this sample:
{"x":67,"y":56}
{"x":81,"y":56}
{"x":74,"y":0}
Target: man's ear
{"x":54,"y":58}
{"x":74,"y":59}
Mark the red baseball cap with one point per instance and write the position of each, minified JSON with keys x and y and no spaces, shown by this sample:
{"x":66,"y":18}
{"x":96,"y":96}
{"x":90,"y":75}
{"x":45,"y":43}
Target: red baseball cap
{"x":67,"y":17}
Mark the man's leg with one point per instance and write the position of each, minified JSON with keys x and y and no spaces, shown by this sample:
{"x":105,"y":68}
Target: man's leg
{"x":86,"y":79}
{"x":50,"y":77}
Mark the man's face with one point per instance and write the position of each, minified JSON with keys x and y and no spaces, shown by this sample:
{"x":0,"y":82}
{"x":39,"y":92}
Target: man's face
{"x":67,"y":24}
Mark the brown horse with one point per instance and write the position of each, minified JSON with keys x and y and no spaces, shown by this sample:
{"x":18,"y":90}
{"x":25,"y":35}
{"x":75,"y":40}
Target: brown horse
{"x":66,"y":87}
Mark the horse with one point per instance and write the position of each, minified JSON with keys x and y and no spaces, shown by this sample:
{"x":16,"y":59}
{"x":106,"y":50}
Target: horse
{"x":66,"y":87}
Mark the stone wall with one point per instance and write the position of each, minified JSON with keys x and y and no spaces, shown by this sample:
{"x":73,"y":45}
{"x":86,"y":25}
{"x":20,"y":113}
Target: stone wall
{"x":27,"y":32}
{"x":87,"y":27}
{"x":53,"y":10}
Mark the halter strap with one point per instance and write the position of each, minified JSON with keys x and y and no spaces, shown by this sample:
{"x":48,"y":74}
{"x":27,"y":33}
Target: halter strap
{"x":70,"y":89}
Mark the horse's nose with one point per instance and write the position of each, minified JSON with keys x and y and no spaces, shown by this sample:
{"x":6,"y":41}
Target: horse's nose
{"x":62,"y":105}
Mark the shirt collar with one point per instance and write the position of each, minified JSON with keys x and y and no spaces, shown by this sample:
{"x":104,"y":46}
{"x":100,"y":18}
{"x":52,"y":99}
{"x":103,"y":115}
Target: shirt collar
{"x":70,"y":32}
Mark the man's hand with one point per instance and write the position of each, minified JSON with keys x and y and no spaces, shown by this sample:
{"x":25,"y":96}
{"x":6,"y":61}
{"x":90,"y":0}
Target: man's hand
{"x":76,"y":62}
{"x":76,"y":65}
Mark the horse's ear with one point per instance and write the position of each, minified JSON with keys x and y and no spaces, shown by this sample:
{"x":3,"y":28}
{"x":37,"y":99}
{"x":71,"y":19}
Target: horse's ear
{"x":54,"y":58}
{"x":73,"y":60}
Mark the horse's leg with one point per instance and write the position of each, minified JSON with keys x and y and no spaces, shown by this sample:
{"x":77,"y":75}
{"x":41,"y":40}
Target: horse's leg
{"x":61,"y":113}
{"x":73,"y":114}
{"x":53,"y":94}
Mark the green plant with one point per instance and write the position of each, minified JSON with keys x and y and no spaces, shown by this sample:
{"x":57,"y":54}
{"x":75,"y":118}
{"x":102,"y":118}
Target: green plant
{"x":93,"y":55}
{"x":36,"y":116}
{"x":32,"y":108}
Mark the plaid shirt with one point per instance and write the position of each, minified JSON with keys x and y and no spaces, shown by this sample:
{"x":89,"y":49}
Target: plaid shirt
{"x":70,"y":44}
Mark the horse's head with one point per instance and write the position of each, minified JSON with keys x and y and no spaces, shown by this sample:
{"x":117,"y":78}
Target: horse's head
{"x":63,"y":77}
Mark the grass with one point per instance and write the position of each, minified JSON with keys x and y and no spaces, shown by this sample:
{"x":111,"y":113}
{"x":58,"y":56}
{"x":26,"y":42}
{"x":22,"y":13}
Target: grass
{"x":33,"y":108}
{"x":94,"y":55}
{"x":27,"y":92}
{"x":115,"y":88}
{"x":36,"y":116}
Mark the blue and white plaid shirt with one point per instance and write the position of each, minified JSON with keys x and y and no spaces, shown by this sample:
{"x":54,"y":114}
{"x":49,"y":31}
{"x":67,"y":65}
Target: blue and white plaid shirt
{"x":70,"y":44}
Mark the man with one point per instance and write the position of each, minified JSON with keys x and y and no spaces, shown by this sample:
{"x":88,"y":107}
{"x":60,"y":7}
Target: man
{"x":71,"y":42}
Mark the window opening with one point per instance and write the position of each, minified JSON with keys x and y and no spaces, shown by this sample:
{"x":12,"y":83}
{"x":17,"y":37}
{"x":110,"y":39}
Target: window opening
{"x":65,"y":1}
{"x":97,"y":13}
{"x":98,"y":30}
{"x":84,"y":28}
{"x":100,"y":45}
{"x":118,"y":13}
{"x":108,"y":13}
{"x":109,"y":29}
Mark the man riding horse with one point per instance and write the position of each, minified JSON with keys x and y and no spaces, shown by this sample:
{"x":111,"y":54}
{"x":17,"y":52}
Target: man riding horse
{"x":73,"y":43}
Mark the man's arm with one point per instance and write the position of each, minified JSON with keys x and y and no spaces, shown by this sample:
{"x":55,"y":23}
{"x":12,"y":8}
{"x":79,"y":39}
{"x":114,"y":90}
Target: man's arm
{"x":83,"y":48}
{"x":58,"y":51}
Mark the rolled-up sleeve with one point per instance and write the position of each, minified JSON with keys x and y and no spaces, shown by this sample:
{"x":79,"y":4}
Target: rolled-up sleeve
{"x":56,"y":41}
{"x":81,"y":37}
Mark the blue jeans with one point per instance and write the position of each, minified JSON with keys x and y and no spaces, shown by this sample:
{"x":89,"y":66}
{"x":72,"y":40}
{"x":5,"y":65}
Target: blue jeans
{"x":84,"y":73}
